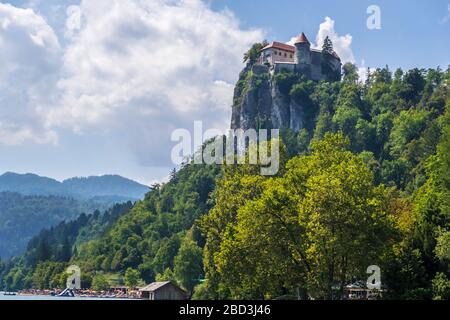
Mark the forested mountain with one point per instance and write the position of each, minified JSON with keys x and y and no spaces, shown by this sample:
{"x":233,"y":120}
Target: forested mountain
{"x":365,"y":181}
{"x":147,"y":238}
{"x":106,"y":186}
{"x":54,"y":247}
{"x":29,"y":184}
{"x":29,"y":203}
{"x":22,"y":217}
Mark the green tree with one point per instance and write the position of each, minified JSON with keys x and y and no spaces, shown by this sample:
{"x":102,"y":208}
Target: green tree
{"x":307,"y":224}
{"x":252,"y":55}
{"x":327,"y":64}
{"x":100,"y":283}
{"x":407,"y":126}
{"x":132,"y":278}
{"x":443,"y":246}
{"x":167,"y":275}
{"x":65,"y":251}
{"x":188,"y":264}
{"x":350,"y":72}
{"x":46,"y":275}
{"x":441,"y":287}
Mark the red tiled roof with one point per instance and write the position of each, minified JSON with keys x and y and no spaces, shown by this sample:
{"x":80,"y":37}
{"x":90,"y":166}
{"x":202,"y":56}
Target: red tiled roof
{"x":302,"y":39}
{"x":281,"y":46}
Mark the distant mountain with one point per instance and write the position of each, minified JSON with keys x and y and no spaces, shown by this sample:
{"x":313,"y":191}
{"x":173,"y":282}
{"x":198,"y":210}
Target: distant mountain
{"x":62,"y":238}
{"x":28,"y":184}
{"x":23,"y":216}
{"x":109,"y":186}
{"x":104,"y":186}
{"x":29,"y":202}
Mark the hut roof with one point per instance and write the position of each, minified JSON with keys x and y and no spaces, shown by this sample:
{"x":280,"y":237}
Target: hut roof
{"x":152,"y":287}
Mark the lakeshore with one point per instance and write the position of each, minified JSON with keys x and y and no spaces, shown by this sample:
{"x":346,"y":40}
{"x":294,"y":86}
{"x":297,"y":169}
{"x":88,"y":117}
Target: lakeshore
{"x":45,"y":295}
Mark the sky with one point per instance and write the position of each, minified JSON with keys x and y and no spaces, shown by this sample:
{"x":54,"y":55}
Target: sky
{"x":97,"y":87}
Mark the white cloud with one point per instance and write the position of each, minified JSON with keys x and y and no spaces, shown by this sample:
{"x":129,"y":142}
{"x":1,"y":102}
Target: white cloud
{"x":341,"y":44}
{"x":29,"y":55}
{"x":362,"y":71}
{"x":144,"y":68}
{"x":138,"y":69}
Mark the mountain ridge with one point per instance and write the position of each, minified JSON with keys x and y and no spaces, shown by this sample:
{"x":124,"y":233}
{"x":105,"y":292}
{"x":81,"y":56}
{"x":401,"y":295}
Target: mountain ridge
{"x":79,"y":187}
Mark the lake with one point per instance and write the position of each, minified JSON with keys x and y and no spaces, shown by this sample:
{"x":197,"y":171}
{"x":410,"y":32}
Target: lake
{"x":49,"y":298}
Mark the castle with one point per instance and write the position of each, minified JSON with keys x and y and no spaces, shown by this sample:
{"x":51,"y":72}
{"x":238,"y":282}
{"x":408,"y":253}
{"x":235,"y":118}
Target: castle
{"x":297,"y":58}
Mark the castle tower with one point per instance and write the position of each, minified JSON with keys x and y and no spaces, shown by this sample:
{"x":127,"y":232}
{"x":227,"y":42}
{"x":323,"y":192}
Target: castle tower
{"x":302,"y":50}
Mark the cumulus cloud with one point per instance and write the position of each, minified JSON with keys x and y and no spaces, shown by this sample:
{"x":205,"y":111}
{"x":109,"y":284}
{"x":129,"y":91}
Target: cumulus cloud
{"x":341,"y":44}
{"x":139,"y":69}
{"x":363,"y":71}
{"x":29,"y":56}
{"x":145,"y":68}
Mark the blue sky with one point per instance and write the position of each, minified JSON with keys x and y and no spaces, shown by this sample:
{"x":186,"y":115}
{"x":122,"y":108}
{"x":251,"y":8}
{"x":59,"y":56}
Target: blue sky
{"x":413,"y":33}
{"x":95,"y":87}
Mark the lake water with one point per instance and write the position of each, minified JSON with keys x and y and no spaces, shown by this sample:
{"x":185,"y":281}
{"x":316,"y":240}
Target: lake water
{"x":49,"y":298}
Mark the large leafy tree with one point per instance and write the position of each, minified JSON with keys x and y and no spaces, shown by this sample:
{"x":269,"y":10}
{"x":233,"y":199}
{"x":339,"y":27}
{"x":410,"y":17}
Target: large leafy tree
{"x":319,"y":225}
{"x":188,"y":264}
{"x":132,"y":278}
{"x":252,"y":55}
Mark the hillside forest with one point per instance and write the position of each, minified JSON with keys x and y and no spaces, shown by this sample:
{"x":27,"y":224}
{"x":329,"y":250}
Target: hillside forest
{"x":365,"y":182}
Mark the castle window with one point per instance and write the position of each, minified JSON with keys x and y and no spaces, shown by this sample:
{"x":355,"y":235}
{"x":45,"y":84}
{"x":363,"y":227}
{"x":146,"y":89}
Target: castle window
{"x":285,"y":54}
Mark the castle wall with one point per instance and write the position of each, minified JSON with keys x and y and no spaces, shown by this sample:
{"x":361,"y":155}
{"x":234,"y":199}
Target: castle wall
{"x":274,"y":55}
{"x":305,"y":61}
{"x":302,"y":53}
{"x":278,"y":67}
{"x":316,"y":73}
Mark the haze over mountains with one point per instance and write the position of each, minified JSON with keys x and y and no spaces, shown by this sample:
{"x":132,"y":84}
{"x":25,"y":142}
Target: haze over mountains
{"x":29,"y":203}
{"x":105,"y":186}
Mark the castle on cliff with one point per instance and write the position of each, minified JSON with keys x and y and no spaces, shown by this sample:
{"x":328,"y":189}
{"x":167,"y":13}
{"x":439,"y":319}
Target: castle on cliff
{"x":258,"y":101}
{"x":299,"y":58}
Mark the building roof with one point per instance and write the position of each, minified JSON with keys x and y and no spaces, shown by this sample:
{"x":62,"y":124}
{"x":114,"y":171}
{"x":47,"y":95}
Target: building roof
{"x":279,"y":45}
{"x":336,"y":55}
{"x":302,"y":39}
{"x":154,"y":286}
{"x":320,"y":51}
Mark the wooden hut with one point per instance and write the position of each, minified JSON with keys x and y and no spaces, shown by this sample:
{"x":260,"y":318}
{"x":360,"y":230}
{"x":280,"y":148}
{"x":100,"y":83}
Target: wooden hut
{"x":163,"y":291}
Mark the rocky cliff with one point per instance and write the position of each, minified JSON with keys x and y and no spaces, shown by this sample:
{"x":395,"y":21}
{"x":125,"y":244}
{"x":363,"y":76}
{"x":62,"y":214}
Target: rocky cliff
{"x":264,"y":101}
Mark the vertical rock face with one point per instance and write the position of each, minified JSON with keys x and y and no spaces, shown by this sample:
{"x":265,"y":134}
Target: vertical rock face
{"x":258,"y":103}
